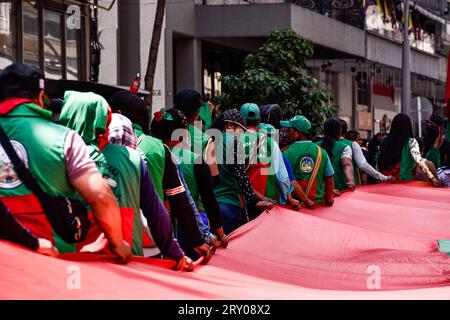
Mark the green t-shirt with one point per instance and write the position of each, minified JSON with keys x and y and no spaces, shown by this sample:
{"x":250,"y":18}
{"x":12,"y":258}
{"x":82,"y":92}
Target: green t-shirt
{"x":152,"y":150}
{"x":302,"y":156}
{"x":228,"y":190}
{"x":336,"y":161}
{"x":206,"y":116}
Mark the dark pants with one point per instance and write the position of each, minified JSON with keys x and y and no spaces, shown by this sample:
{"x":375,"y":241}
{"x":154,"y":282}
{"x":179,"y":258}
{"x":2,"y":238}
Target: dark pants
{"x":231,"y":217}
{"x":182,"y":241}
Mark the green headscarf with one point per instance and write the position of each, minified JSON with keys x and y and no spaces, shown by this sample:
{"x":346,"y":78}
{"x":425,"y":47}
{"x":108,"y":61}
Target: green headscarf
{"x":86,"y":113}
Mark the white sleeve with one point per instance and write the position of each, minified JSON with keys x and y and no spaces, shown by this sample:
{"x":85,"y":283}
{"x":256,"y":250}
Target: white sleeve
{"x":347,"y":153}
{"x":414,"y":150}
{"x":281,"y":173}
{"x":76,"y":154}
{"x":362,"y":163}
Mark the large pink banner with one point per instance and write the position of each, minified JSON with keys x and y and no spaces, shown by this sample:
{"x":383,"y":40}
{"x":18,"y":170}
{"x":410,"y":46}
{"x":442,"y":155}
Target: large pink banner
{"x":378,"y":242}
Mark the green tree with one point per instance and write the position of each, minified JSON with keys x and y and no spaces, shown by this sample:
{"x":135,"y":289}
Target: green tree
{"x":277,"y":73}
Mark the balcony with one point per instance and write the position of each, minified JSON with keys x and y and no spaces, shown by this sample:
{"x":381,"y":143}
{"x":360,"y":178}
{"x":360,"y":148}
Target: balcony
{"x":427,"y":26}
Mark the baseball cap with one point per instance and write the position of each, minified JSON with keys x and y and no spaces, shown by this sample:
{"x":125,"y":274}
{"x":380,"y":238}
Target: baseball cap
{"x":250,"y":111}
{"x":22,"y":77}
{"x":267,"y":128}
{"x":234,"y":116}
{"x":188,"y":101}
{"x":299,"y":123}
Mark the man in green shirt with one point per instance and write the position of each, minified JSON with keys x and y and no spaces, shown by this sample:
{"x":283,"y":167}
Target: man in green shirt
{"x":189,"y":102}
{"x":56,"y":157}
{"x":311,"y":165}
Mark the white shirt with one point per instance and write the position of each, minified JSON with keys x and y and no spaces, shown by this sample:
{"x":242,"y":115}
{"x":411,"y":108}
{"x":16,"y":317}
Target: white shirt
{"x":362,"y":163}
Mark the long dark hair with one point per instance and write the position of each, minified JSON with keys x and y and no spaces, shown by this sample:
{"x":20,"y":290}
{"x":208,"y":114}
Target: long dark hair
{"x":332,"y":130}
{"x":271,"y":114}
{"x":166,"y":121}
{"x":391,"y":149}
{"x":431,"y":131}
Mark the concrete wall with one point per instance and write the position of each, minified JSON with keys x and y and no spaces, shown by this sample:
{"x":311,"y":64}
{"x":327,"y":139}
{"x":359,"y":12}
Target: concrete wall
{"x":389,"y":52}
{"x":241,"y":20}
{"x":345,"y":95}
{"x":180,"y":22}
{"x":108,"y":26}
{"x":126,"y":36}
{"x":328,"y":32}
{"x":188,"y":57}
{"x":128,"y":41}
{"x":257,"y":20}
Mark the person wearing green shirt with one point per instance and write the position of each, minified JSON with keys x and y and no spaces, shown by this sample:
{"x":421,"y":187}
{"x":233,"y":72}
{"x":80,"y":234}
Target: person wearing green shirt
{"x":189,"y":102}
{"x":311,"y":165}
{"x":340,"y":155}
{"x":206,"y":114}
{"x":56,"y":157}
{"x":433,"y":139}
{"x":266,"y":169}
{"x":234,"y":185}
{"x":163,"y":171}
{"x":124,"y":171}
{"x":400,"y":154}
{"x":168,"y":128}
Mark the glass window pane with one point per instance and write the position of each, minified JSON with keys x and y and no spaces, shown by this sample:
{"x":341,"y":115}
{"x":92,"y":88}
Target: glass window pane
{"x":30,"y":33}
{"x":72,"y":49}
{"x":7,"y":31}
{"x":52,"y":45}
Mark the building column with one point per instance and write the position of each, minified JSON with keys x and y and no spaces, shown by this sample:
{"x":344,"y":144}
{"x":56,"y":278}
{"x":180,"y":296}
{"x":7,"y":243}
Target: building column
{"x":188,"y":64}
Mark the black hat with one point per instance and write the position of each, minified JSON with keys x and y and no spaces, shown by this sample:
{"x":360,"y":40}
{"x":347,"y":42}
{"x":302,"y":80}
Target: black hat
{"x":236,"y":117}
{"x":22,"y":77}
{"x":188,"y":101}
{"x":434,"y":123}
{"x":132,"y":107}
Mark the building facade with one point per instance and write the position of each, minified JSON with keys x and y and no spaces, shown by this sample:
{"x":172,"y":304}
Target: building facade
{"x":358,"y":51}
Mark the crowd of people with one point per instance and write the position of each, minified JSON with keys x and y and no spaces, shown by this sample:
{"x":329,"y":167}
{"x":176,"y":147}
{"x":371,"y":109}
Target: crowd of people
{"x":178,"y":185}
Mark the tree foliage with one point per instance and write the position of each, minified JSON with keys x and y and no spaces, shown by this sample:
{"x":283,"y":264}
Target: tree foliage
{"x":277,"y":73}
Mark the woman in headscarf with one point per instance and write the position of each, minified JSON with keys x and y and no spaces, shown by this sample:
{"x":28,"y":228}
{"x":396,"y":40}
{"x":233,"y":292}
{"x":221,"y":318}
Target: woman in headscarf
{"x":400,"y":154}
{"x":234,"y":181}
{"x":171,"y":126}
{"x":340,"y":155}
{"x":126,"y":174}
{"x":164,"y":172}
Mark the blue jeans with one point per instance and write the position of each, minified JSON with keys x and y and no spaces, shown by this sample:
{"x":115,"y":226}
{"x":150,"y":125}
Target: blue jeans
{"x":231,"y":217}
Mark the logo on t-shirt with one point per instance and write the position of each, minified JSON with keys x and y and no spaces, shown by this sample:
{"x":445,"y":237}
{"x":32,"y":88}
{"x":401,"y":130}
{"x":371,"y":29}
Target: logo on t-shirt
{"x":306,"y":165}
{"x":9,"y":179}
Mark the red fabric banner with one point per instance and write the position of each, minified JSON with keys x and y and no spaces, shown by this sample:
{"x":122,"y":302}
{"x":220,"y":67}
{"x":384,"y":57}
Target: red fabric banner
{"x":384,"y":90}
{"x":378,"y":242}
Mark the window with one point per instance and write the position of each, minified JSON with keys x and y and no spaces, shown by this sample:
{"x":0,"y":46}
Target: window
{"x":362,"y":88}
{"x":8,"y":45}
{"x":30,"y":38}
{"x":73,"y":47}
{"x":52,"y":45}
{"x":35,"y":32}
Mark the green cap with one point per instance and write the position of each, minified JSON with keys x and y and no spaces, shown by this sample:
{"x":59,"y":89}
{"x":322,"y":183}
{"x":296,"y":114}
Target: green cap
{"x":298,"y":122}
{"x":250,"y":111}
{"x":267,"y":128}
